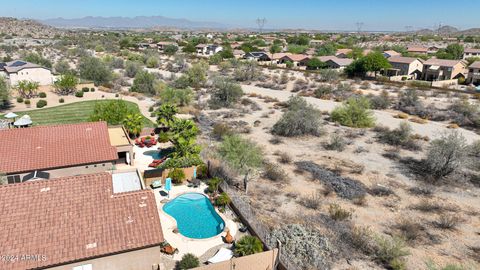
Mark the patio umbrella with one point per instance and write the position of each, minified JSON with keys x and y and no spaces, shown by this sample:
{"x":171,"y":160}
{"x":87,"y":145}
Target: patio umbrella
{"x":168,"y":185}
{"x":23,"y":121}
{"x":10,"y":115}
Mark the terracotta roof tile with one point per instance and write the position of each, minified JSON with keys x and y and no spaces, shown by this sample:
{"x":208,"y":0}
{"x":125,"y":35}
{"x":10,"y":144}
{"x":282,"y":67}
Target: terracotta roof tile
{"x":46,"y":147}
{"x":73,"y":219}
{"x":475,"y":64}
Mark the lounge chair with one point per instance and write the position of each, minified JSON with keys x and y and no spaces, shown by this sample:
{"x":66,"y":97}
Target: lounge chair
{"x":222,"y":255}
{"x":169,"y":250}
{"x":228,"y":238}
{"x":156,"y":184}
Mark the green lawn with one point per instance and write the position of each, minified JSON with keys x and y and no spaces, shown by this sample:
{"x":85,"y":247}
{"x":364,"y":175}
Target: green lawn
{"x":76,"y":112}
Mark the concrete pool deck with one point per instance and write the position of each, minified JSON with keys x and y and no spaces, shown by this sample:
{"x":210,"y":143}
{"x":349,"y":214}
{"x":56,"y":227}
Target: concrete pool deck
{"x":198,"y":247}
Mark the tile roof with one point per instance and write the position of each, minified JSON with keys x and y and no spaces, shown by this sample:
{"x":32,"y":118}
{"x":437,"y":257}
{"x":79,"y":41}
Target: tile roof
{"x":341,"y":61}
{"x":471,"y":50}
{"x":417,"y":49}
{"x":392,"y":53}
{"x":74,"y":219}
{"x":475,"y":64}
{"x":17,"y":65}
{"x":47,"y":147}
{"x":442,"y":62}
{"x":296,"y":57}
{"x":402,"y":60}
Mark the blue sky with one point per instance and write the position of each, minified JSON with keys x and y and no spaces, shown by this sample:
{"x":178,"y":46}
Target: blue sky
{"x":310,"y":14}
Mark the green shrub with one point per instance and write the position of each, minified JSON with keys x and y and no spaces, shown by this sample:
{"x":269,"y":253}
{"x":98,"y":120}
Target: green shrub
{"x":220,"y":130}
{"x":42,"y":95}
{"x":390,"y":252}
{"x":177,"y":175}
{"x":222,"y":200}
{"x":41,"y":103}
{"x":202,"y":171}
{"x":338,"y":213}
{"x":150,"y":109}
{"x":163,"y":137}
{"x":355,"y":112}
{"x":213,"y":184}
{"x":300,"y":119}
{"x":79,"y":94}
{"x":61,"y":100}
{"x":27,"y":101}
{"x":19,"y":99}
{"x":337,"y":142}
{"x":117,"y":95}
{"x":248,"y":245}
{"x":85,"y":89}
{"x":188,"y":261}
{"x":92,"y":89}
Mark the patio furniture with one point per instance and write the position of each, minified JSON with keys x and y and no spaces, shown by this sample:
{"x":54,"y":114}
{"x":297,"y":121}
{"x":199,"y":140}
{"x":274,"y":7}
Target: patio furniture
{"x":243,"y":228}
{"x":156,"y":184}
{"x":229,"y":238}
{"x":169,"y":250}
{"x":222,"y":255}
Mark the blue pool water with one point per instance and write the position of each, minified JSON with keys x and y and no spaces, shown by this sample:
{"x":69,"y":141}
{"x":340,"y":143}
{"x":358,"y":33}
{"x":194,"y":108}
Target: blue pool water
{"x":195,"y":216}
{"x":155,"y":154}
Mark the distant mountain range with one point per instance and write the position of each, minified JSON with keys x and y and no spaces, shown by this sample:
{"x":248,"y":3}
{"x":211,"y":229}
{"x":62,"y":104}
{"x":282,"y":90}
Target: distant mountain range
{"x":139,"y":22}
{"x":449,"y":30}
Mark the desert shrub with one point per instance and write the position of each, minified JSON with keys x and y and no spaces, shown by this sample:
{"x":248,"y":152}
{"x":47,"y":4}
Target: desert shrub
{"x":445,"y":155}
{"x":85,"y":89}
{"x":41,"y":103}
{"x":380,"y":191}
{"x":428,"y":206}
{"x":409,"y":230}
{"x":42,"y":95}
{"x":336,"y":212}
{"x":79,"y":94}
{"x":284,"y":158}
{"x":379,"y":102}
{"x":177,"y":175}
{"x":188,"y":261}
{"x":220,"y":130}
{"x":401,"y":136}
{"x":19,"y":99}
{"x":275,"y":140}
{"x":337,"y":143}
{"x":61,"y":100}
{"x":390,"y":252}
{"x":300,"y":118}
{"x":323,"y":91}
{"x":222,"y":200}
{"x":312,"y":201}
{"x":274,"y":172}
{"x":328,"y":75}
{"x":421,"y":190}
{"x":92,"y":89}
{"x":362,"y":239}
{"x":27,"y":101}
{"x":225,"y":93}
{"x":355,"y":112}
{"x":447,"y":221}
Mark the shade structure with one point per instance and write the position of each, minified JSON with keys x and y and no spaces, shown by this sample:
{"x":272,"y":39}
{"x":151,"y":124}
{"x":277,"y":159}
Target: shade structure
{"x":10,"y":115}
{"x":23,"y":121}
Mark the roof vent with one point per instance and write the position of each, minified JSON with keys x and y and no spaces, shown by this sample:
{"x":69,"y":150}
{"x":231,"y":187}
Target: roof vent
{"x":88,"y":129}
{"x":39,"y":147}
{"x":129,"y":220}
{"x":91,"y":245}
{"x":45,"y":189}
{"x":142,"y":204}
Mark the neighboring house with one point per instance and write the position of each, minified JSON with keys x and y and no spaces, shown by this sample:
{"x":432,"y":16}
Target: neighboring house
{"x":257,"y":56}
{"x":315,"y":42}
{"x":469,"y":52}
{"x":204,"y":49}
{"x":391,"y":53}
{"x":405,"y":66}
{"x":267,"y":260}
{"x":432,"y":49}
{"x":338,"y":63}
{"x":298,"y":60}
{"x":441,"y":69}
{"x":144,"y":46}
{"x":238,"y":53}
{"x":343,"y":53}
{"x":45,"y":152}
{"x":474,"y":73}
{"x":79,"y":223}
{"x":162,"y":44}
{"x":19,"y":70}
{"x":417,"y":50}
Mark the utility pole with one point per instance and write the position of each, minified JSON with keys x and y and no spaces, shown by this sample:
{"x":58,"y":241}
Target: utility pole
{"x":359,"y":26}
{"x":261,"y":23}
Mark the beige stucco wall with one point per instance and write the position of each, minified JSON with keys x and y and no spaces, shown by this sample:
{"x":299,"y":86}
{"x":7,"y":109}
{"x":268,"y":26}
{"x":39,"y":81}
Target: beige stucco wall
{"x":135,"y":260}
{"x":41,"y":75}
{"x":77,"y":170}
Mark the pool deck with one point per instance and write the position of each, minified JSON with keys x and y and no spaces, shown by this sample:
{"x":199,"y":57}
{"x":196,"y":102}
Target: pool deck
{"x":188,"y":245}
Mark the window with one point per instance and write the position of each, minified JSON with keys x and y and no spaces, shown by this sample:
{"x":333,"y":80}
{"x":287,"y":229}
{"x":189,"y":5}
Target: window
{"x":12,"y":179}
{"x":83,"y":267}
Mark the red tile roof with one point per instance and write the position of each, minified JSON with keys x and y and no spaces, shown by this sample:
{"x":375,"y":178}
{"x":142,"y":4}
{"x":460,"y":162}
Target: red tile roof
{"x":47,"y":147}
{"x":74,"y":219}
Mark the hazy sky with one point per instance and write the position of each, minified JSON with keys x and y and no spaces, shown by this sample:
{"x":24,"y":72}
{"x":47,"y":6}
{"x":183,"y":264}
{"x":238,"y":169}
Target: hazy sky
{"x":311,"y":14}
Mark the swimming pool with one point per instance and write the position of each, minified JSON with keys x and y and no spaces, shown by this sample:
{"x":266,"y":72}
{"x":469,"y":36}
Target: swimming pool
{"x":195,"y":216}
{"x":155,"y":154}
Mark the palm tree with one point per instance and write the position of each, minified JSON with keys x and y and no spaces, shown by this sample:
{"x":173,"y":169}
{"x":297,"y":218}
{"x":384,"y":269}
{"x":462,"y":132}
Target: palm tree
{"x":183,"y":137}
{"x":248,"y":245}
{"x":133,"y":123}
{"x":166,"y":114}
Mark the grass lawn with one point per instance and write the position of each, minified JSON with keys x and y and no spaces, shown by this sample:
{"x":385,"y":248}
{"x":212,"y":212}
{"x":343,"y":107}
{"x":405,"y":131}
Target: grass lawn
{"x":76,"y":112}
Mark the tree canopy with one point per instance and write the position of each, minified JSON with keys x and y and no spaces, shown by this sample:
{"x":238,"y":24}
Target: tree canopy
{"x":92,"y":68}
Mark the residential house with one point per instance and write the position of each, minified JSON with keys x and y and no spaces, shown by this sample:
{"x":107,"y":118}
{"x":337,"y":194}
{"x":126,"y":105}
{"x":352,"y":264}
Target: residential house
{"x":474,"y":73}
{"x":204,"y":49}
{"x":298,"y":60}
{"x":162,"y":44}
{"x":343,"y":53}
{"x":391,"y":53}
{"x":145,"y":46}
{"x":257,"y":56}
{"x":417,"y":50}
{"x":19,"y":70}
{"x":79,"y":222}
{"x":405,"y":66}
{"x":45,"y":152}
{"x":442,"y":69}
{"x":469,"y":52}
{"x":338,"y":63}
{"x":315,"y":42}
{"x":432,"y":49}
{"x":238,"y":54}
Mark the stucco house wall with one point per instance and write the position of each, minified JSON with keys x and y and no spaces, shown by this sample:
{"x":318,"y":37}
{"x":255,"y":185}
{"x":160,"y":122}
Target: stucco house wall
{"x":41,"y":75}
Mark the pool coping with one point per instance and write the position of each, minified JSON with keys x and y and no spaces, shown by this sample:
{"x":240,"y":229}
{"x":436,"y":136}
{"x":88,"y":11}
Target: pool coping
{"x":223,"y":217}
